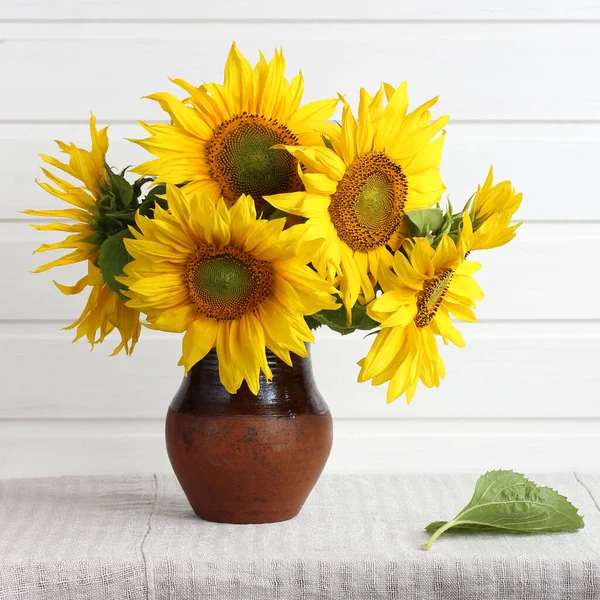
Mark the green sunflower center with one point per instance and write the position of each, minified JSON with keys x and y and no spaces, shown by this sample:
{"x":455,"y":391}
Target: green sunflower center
{"x":227,"y":283}
{"x":241,"y":158}
{"x":368,"y":206}
{"x":431,"y":297}
{"x":375,"y":202}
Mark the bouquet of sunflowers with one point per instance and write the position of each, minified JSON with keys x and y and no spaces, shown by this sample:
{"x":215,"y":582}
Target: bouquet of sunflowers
{"x":260,"y":220}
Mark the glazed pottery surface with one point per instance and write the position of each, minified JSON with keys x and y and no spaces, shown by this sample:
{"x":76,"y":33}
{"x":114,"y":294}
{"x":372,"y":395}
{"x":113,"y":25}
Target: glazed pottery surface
{"x":242,"y":458}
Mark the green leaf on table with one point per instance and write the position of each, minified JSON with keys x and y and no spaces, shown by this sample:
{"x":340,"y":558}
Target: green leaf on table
{"x":112,"y":260}
{"x":508,"y":501}
{"x":433,"y":527}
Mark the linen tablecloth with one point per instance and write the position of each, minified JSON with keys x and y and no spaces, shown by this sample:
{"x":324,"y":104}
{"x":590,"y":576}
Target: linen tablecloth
{"x":136,"y":537}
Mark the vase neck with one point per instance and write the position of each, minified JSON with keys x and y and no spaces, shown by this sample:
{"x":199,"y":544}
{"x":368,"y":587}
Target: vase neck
{"x":292,"y":390}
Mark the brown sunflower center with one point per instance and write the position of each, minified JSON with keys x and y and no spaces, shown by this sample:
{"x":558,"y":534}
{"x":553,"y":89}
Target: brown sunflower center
{"x":225,"y":283}
{"x":242,"y":161}
{"x":368,"y":206}
{"x":431,"y":296}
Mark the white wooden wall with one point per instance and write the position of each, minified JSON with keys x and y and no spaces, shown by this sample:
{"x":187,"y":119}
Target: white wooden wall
{"x":520,"y":81}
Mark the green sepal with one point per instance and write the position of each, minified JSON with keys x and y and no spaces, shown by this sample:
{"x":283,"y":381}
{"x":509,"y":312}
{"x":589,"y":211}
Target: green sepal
{"x":276,"y":214}
{"x":446,"y":226}
{"x":123,"y":217}
{"x":447,"y":220}
{"x":117,"y":205}
{"x":327,"y":142}
{"x":94,"y":239}
{"x":152,"y":198}
{"x":138,"y":184}
{"x":469,"y":207}
{"x":122,"y":187}
{"x":112,"y":260}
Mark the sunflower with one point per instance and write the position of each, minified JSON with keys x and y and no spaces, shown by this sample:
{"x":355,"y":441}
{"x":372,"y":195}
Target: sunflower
{"x":104,"y":310}
{"x":493,"y":209}
{"x":220,"y":139}
{"x":421,"y":291}
{"x":357,"y":191}
{"x":228,"y":280}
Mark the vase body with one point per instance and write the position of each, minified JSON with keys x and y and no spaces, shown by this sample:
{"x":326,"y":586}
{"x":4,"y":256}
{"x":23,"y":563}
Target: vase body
{"x":242,"y":458}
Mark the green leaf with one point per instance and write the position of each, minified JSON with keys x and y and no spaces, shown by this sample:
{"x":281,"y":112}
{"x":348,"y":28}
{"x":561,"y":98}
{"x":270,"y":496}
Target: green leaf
{"x":507,"y":501}
{"x":112,"y":259}
{"x":433,"y":527}
{"x":422,"y":222}
{"x":336,"y":319}
{"x":312,"y":322}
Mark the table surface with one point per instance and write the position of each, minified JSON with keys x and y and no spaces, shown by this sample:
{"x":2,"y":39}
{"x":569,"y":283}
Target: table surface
{"x":136,"y":537}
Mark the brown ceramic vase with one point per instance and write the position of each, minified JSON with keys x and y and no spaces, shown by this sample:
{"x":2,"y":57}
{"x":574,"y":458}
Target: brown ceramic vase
{"x":242,"y":458}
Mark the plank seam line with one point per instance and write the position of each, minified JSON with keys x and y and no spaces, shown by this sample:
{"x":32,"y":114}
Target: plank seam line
{"x":587,"y":489}
{"x":455,"y":120}
{"x":301,"y":21}
{"x":501,"y":321}
{"x":149,"y":574}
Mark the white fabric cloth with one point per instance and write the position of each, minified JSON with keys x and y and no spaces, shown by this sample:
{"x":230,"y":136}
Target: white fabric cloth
{"x":135,"y":537}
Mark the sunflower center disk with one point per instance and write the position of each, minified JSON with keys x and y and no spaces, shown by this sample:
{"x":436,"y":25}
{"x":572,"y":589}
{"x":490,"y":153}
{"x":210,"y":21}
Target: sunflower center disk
{"x":368,"y":206}
{"x":431,"y":297}
{"x":241,"y":158}
{"x":227,"y":283}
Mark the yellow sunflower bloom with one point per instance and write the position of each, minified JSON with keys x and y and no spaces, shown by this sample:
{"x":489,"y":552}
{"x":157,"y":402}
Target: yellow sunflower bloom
{"x":104,"y":310}
{"x":220,"y":139}
{"x":228,"y":280}
{"x":356,"y":193}
{"x":493,"y":209}
{"x":421,"y":291}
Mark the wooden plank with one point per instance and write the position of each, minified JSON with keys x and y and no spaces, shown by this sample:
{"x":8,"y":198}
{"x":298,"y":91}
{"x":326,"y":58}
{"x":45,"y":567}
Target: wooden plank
{"x":334,"y":10}
{"x":554,"y":165}
{"x":55,"y":448}
{"x":507,"y":370}
{"x":480,"y":73}
{"x":527,"y":279}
